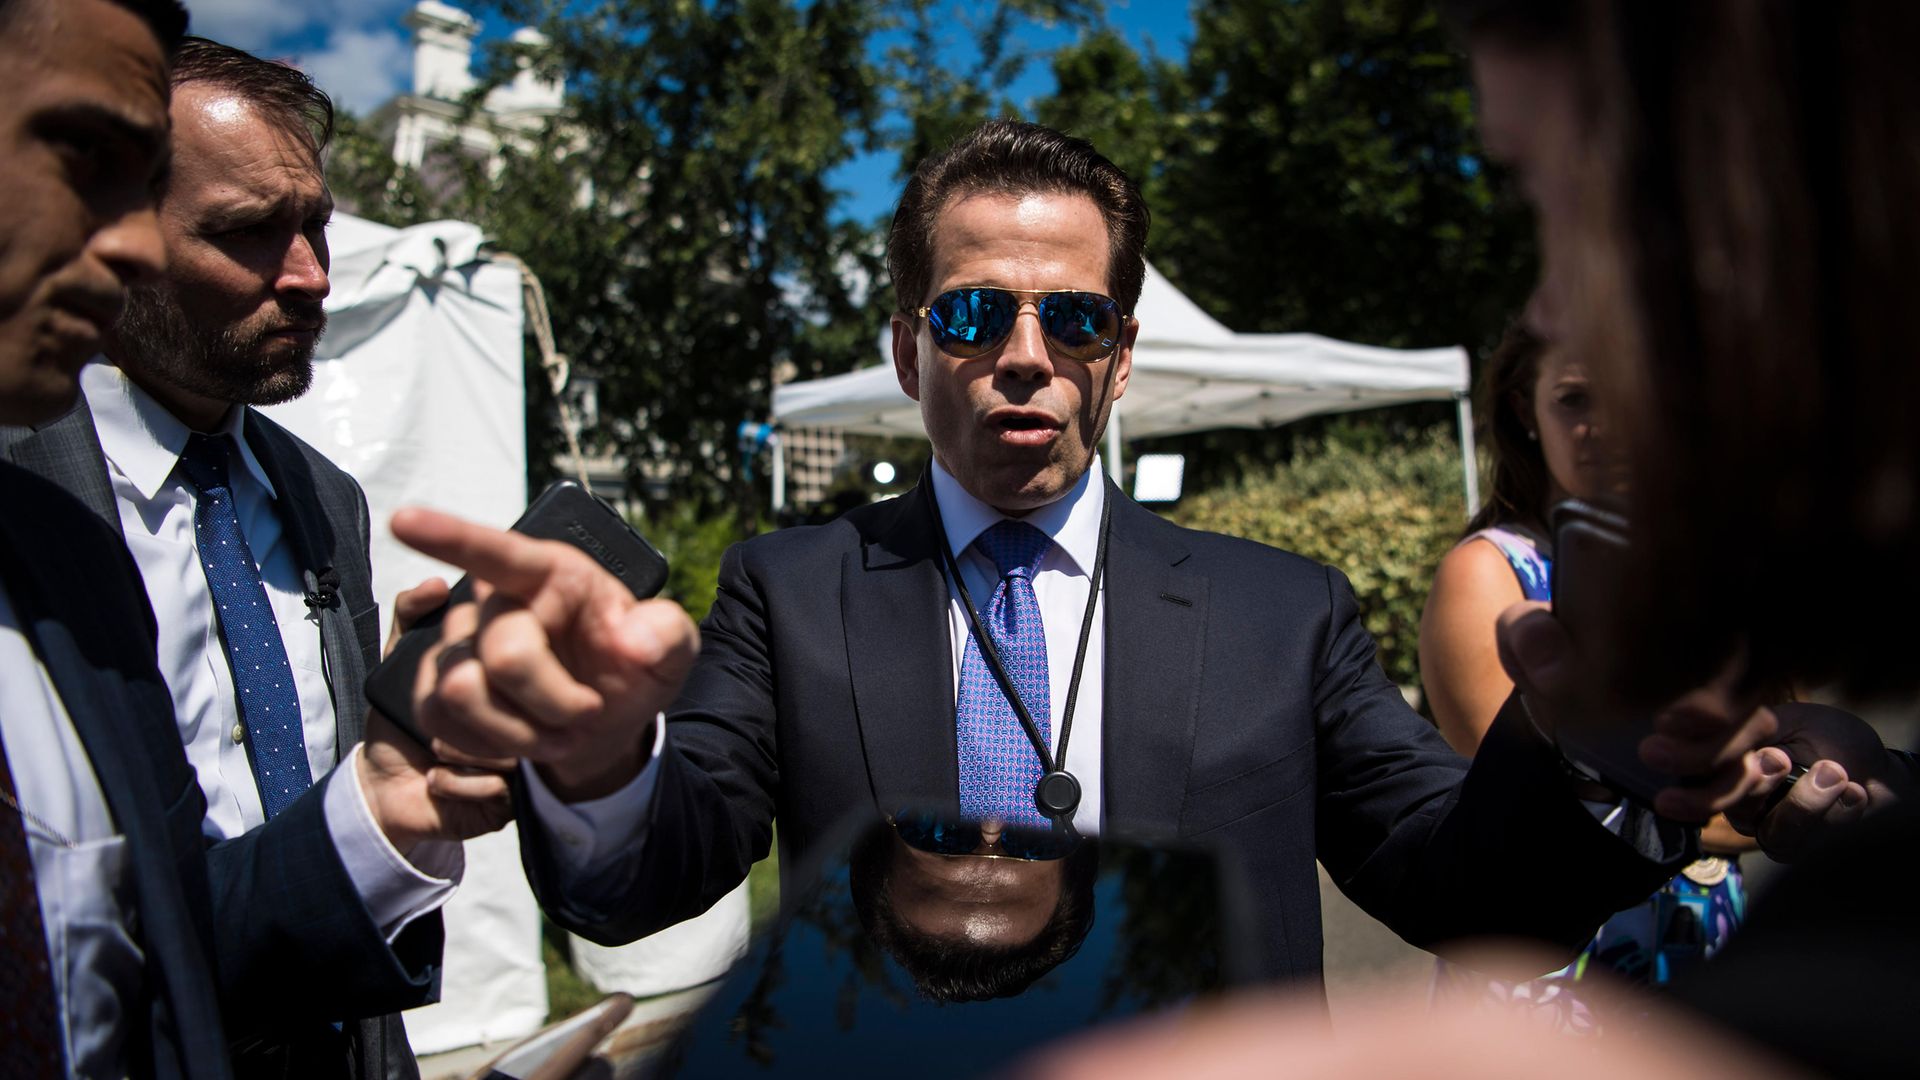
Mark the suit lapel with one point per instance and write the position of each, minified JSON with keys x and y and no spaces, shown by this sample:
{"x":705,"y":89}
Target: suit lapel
{"x":294,"y":496}
{"x":67,"y":452}
{"x":297,"y":503}
{"x":1156,"y":619}
{"x":893,"y":603}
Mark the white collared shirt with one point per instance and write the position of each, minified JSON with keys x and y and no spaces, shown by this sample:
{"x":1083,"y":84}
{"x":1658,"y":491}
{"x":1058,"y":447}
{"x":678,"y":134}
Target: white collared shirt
{"x":1060,"y":584}
{"x":143,"y":442}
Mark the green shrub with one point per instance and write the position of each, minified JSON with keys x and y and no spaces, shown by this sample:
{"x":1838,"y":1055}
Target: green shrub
{"x":1383,"y":515}
{"x":693,"y":543}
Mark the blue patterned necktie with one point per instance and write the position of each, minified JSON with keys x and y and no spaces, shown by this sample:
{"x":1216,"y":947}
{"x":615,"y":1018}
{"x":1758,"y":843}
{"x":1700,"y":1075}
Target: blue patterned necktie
{"x":262,"y":678}
{"x":998,"y":765}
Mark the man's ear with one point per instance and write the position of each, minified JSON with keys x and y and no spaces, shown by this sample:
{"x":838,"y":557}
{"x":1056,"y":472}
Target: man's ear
{"x":1123,"y":359}
{"x":906,"y":354}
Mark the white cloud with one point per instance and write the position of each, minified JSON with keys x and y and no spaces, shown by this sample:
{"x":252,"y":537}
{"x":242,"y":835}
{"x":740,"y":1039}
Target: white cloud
{"x":253,"y":25}
{"x":355,"y":49}
{"x":361,"y":68}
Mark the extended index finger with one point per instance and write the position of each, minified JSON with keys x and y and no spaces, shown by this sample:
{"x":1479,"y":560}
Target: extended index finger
{"x":514,"y":564}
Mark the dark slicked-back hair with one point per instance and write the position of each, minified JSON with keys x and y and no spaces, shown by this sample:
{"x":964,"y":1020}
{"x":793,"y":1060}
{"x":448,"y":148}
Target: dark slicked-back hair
{"x":284,"y":92}
{"x":167,"y":18}
{"x":1011,"y":157}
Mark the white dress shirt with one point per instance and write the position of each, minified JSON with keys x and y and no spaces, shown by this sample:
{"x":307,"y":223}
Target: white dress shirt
{"x":79,"y":862}
{"x":1061,"y":583}
{"x":143,"y":442}
{"x":588,"y":837}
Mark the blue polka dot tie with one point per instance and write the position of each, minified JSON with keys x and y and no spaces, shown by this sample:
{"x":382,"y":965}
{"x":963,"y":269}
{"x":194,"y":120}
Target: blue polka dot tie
{"x":998,"y":765}
{"x":262,"y":678}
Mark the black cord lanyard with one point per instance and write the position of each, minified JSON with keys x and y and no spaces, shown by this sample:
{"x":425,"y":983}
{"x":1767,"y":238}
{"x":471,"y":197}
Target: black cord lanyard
{"x":1057,"y":794}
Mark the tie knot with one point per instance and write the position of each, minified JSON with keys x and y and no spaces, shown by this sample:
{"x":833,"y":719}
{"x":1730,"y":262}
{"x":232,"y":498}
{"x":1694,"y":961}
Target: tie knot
{"x":205,"y":460}
{"x":1014,"y":547}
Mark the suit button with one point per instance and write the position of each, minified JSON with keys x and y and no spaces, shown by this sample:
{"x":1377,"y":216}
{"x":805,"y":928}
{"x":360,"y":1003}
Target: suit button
{"x":239,"y":733}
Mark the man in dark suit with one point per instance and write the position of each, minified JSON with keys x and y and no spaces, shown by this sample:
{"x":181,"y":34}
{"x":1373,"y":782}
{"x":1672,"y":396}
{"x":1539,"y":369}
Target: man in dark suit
{"x":253,"y":549}
{"x":1226,"y":692}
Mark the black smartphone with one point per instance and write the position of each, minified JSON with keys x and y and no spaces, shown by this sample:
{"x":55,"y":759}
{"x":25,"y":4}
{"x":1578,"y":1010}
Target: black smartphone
{"x":1601,"y":733}
{"x":565,"y":511}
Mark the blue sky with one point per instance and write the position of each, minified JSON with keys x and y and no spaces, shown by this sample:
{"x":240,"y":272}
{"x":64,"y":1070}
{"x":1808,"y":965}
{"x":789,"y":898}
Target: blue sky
{"x":358,"y":52}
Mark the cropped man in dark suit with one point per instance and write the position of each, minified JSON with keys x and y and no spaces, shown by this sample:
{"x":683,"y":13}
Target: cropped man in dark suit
{"x":253,"y":548}
{"x":1227,"y":693}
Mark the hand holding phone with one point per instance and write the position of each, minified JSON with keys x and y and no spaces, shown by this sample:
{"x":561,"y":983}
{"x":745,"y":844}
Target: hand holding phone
{"x":565,"y":511}
{"x":558,"y":663}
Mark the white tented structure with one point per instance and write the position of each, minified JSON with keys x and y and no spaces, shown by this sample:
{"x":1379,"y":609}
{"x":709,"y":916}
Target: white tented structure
{"x":1190,"y":373}
{"x":419,"y":393}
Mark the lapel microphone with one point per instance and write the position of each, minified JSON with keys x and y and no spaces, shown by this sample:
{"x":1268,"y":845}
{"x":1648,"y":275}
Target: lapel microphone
{"x":322,"y":588}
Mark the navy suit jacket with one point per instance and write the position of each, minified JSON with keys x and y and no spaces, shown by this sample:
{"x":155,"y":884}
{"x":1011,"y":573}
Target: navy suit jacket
{"x":306,"y":954}
{"x":1244,"y":709}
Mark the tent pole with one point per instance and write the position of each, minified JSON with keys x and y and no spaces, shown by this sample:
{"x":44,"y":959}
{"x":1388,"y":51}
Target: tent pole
{"x":779,"y":474}
{"x":1469,"y":463}
{"x":1116,"y":467}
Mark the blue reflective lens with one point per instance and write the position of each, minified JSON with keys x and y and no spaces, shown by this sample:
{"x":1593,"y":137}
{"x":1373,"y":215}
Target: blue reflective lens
{"x":968,"y":322}
{"x":1081,"y":322}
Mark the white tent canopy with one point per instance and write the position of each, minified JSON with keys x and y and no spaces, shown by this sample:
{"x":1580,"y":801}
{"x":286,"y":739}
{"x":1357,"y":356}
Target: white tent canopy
{"x":1190,"y":373}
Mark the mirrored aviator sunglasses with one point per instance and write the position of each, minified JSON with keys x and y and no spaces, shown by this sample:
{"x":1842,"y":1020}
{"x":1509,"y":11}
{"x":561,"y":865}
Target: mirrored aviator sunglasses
{"x":941,"y":835}
{"x":975,"y":320}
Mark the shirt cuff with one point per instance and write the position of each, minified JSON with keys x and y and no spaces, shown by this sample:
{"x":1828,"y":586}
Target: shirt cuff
{"x":585,"y":837}
{"x":396,"y":891}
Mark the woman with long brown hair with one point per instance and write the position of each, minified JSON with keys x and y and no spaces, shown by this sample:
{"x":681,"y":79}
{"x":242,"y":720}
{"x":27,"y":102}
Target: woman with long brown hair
{"x":1546,"y":442}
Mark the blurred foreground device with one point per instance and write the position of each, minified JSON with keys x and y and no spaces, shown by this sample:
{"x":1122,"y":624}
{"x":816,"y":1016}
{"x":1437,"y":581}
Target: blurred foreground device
{"x":943,"y":948}
{"x":1600,"y":734}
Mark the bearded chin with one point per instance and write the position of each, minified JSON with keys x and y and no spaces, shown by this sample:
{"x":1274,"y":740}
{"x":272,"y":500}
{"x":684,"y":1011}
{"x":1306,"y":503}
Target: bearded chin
{"x":236,"y":364}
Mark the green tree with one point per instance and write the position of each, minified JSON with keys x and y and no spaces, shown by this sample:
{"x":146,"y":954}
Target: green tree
{"x":679,"y":215}
{"x":1312,"y":166}
{"x":366,"y":181}
{"x":956,"y":62}
{"x":1331,"y":178}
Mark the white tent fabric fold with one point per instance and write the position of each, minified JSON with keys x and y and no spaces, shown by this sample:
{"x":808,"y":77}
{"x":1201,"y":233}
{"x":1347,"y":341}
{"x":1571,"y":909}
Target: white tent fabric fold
{"x":1190,"y":373}
{"x":418,"y":393}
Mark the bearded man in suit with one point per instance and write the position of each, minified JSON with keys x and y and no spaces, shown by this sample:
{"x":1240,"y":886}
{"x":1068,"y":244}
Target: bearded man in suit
{"x":1227,"y":693}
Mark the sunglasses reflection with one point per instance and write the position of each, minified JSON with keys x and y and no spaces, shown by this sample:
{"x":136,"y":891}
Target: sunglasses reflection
{"x":973,"y":921}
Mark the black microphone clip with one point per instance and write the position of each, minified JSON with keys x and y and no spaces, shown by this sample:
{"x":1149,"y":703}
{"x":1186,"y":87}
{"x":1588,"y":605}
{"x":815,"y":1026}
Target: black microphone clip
{"x":322,"y":588}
